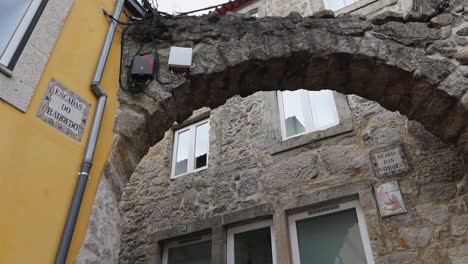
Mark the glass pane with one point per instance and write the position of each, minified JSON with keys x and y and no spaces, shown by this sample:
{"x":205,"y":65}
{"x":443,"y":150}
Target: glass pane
{"x":331,"y":239}
{"x":11,"y":14}
{"x":198,"y":253}
{"x":335,"y":4}
{"x":253,"y":247}
{"x":183,"y":149}
{"x":294,"y":116}
{"x":323,"y":109}
{"x":202,"y":142}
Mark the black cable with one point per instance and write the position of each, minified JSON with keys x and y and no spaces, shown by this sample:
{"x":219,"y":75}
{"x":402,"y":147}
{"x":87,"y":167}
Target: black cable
{"x":122,"y":41}
{"x":136,"y":84}
{"x":156,"y":53}
{"x":165,"y":14}
{"x":126,"y":14}
{"x":123,"y":23}
{"x":147,"y":5}
{"x":124,"y":32}
{"x":131,"y":81}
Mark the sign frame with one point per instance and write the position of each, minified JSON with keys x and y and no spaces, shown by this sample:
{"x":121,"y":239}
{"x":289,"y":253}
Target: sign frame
{"x":373,"y":155}
{"x":71,"y":106}
{"x":390,"y":199}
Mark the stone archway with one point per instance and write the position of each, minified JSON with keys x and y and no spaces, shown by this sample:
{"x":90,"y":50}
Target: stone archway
{"x":395,"y":61}
{"x":396,"y":64}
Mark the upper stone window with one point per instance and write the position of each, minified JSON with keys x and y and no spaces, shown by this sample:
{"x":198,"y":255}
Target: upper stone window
{"x":335,"y":5}
{"x":304,"y":111}
{"x":17,"y":18}
{"x":191,"y":147}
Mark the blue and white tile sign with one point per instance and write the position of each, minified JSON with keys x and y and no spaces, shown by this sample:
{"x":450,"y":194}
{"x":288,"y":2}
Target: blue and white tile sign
{"x":64,"y":110}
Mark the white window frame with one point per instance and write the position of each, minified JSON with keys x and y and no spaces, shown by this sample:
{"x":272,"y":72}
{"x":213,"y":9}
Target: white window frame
{"x":309,"y":115}
{"x":340,"y":207}
{"x":249,"y":227}
{"x":179,"y":243}
{"x":191,"y":157}
{"x":327,"y":6}
{"x":15,"y":41}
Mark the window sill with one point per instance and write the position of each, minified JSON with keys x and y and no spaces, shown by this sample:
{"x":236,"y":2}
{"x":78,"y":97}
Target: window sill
{"x":346,"y":125}
{"x":188,"y":173}
{"x":6,"y":71}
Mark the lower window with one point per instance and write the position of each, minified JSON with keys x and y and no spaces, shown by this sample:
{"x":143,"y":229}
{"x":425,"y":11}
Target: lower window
{"x":189,"y":251}
{"x":335,"y":236}
{"x":251,"y":244}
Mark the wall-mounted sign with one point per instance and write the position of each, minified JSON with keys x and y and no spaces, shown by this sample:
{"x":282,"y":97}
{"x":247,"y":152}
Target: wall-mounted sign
{"x":64,"y":110}
{"x":389,"y":161}
{"x":389,"y":199}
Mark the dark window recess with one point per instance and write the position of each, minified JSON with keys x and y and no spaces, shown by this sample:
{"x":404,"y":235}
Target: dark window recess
{"x":253,"y":247}
{"x":198,"y":253}
{"x":200,"y":161}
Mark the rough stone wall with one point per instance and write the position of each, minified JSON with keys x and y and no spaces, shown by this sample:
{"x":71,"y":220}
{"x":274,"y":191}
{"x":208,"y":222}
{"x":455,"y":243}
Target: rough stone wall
{"x":102,"y":242}
{"x":243,"y":173}
{"x":404,"y":48}
{"x":283,"y":8}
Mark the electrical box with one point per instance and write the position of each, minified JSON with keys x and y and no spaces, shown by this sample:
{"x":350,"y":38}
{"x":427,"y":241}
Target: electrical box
{"x":143,"y":67}
{"x":180,"y":59}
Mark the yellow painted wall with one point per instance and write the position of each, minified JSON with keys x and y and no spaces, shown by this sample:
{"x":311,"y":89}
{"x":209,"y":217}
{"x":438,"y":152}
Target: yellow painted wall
{"x":38,"y":163}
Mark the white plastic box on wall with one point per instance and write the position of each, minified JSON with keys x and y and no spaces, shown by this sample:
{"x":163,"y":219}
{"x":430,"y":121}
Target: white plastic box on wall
{"x":180,"y":59}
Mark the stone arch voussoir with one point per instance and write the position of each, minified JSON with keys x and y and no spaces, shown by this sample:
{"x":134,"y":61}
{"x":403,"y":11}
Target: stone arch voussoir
{"x":235,"y":55}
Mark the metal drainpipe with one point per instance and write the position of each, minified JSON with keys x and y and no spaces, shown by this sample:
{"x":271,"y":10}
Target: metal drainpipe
{"x":87,"y":162}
